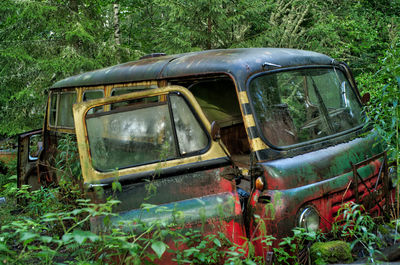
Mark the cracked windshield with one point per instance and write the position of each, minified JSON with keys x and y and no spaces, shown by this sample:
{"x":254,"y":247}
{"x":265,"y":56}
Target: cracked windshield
{"x":302,"y":105}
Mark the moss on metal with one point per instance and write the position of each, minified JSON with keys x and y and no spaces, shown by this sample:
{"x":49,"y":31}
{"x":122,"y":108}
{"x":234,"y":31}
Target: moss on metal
{"x":331,"y":252}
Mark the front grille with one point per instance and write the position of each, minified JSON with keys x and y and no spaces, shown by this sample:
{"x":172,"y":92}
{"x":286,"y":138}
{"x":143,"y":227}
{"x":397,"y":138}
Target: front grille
{"x":368,"y":201}
{"x":371,"y":190}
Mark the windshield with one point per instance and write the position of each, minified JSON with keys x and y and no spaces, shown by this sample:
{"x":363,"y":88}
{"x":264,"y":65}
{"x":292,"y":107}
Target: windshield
{"x":300,"y":105}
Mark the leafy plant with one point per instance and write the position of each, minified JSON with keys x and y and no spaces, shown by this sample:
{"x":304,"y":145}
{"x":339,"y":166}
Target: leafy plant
{"x":295,"y":249}
{"x":357,"y":227}
{"x":384,"y":108}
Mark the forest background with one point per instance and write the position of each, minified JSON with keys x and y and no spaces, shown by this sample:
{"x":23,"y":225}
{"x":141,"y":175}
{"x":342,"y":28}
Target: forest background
{"x":43,"y":41}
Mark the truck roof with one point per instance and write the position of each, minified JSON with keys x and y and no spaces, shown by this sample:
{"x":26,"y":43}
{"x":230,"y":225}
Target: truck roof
{"x":237,"y":62}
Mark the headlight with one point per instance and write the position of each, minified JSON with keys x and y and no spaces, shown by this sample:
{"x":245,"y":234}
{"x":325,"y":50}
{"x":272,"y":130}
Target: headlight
{"x":308,"y":219}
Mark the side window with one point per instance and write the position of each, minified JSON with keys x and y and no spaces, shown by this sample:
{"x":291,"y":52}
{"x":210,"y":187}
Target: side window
{"x":53,"y":108}
{"x":61,"y":109}
{"x":93,"y":94}
{"x":125,"y":90}
{"x":191,"y":136}
{"x":151,"y":130}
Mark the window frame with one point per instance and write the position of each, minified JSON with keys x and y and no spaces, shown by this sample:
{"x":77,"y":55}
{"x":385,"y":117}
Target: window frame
{"x":127,"y":97}
{"x":57,"y":109}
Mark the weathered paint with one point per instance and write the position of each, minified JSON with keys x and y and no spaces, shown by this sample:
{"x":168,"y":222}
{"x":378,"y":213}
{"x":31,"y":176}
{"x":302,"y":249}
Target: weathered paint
{"x":27,"y":168}
{"x":249,"y":121}
{"x":90,"y":174}
{"x":322,"y":179}
{"x":238,"y":62}
{"x":107,"y":89}
{"x":203,"y":200}
{"x":320,"y":165}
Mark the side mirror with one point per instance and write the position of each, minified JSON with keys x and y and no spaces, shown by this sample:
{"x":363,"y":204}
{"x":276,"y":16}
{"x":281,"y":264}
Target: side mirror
{"x":215,"y":131}
{"x":365,"y":98}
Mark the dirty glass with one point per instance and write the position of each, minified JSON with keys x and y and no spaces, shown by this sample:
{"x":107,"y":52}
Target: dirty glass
{"x":65,"y":117}
{"x":125,"y":90}
{"x":93,"y":94}
{"x":129,"y":136}
{"x":53,"y":108}
{"x":302,"y":105}
{"x":35,"y":146}
{"x":191,"y":136}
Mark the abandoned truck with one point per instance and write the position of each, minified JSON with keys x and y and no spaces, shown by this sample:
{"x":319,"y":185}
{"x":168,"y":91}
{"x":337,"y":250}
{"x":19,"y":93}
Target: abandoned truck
{"x":274,"y":133}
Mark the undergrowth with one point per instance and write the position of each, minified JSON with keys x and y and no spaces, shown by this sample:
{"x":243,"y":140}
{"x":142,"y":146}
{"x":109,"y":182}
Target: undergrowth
{"x":53,"y":226}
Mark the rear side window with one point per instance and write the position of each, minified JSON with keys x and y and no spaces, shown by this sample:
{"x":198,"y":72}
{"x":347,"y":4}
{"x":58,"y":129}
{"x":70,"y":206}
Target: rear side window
{"x":146,"y":131}
{"x":61,"y":109}
{"x":93,"y":94}
{"x":125,"y":90}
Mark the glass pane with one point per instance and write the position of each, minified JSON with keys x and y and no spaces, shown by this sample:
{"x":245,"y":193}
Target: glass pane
{"x":93,"y":94}
{"x":53,"y":108}
{"x":191,"y":137}
{"x":65,"y":116}
{"x":302,"y":105}
{"x":130,"y":136}
{"x":35,"y":146}
{"x":126,"y":90}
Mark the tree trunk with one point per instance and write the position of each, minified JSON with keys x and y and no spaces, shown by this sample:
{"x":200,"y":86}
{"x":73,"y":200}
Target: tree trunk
{"x":116,"y":24}
{"x":209,"y":31}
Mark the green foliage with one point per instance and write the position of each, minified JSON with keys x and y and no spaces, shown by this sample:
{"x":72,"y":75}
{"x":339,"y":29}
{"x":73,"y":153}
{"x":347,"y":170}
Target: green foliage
{"x":44,"y":41}
{"x":8,"y":170}
{"x":356,"y":226}
{"x":70,"y":37}
{"x":384,"y":108}
{"x":67,"y":160}
{"x":63,"y":38}
{"x":295,"y":249}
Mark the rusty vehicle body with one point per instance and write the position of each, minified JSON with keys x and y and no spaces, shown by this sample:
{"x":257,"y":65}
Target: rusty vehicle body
{"x":275,"y":133}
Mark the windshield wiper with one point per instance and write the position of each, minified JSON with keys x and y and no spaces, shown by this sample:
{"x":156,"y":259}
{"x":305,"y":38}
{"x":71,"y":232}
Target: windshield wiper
{"x":322,"y":107}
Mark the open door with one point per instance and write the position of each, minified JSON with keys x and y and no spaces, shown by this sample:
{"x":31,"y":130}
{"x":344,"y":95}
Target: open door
{"x":30,"y":144}
{"x":157,"y":145}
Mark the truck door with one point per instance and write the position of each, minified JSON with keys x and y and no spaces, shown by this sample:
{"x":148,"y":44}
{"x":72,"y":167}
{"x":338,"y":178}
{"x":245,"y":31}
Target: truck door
{"x":29,"y":147}
{"x":157,"y":145}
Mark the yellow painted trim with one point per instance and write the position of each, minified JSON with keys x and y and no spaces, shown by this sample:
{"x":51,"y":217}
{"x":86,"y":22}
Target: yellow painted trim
{"x":79,"y":94}
{"x":91,"y":175}
{"x":249,"y":121}
{"x":257,"y":144}
{"x":243,"y":97}
{"x":62,"y":130}
{"x":48,"y":110}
